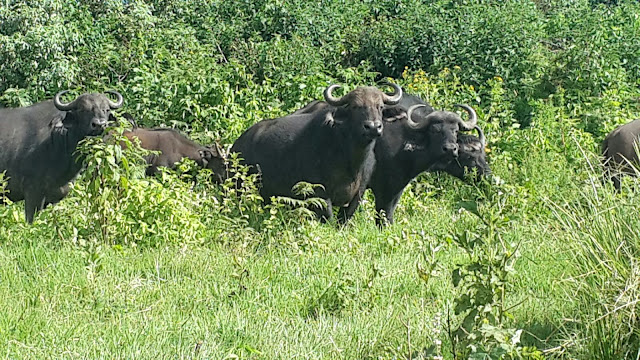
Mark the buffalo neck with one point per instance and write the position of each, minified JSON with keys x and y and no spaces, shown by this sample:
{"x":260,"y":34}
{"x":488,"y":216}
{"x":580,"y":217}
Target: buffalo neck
{"x":415,"y":152}
{"x":64,"y":140}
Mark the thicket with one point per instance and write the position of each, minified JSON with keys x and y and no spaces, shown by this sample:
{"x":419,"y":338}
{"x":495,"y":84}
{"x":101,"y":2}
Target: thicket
{"x":549,"y":78}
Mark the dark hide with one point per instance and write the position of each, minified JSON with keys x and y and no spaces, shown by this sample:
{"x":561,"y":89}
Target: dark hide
{"x":619,"y":152}
{"x":332,"y":146}
{"x":37,"y":145}
{"x":403,"y":152}
{"x":471,"y":157}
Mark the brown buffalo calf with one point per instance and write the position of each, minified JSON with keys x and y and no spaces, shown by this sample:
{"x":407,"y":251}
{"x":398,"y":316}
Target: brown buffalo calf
{"x":173,"y":147}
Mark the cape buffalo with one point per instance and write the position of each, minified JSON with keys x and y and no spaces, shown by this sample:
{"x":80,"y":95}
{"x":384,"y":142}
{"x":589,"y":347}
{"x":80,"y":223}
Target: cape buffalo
{"x":408,"y":150}
{"x":619,"y":151}
{"x":471,"y":156}
{"x":37,"y":145}
{"x":332,"y":147}
{"x":173,"y":147}
{"x":471,"y":153}
{"x":409,"y":147}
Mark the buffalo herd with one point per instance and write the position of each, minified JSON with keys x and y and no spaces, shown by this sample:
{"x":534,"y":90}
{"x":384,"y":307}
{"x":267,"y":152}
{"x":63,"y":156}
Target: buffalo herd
{"x":364,"y":139}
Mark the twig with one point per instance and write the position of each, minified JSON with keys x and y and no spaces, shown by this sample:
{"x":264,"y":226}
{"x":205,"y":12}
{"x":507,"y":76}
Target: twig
{"x":222,"y":53}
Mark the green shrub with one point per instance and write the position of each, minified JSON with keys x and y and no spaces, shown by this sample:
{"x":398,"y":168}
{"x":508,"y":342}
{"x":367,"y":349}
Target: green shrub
{"x":595,"y":49}
{"x":500,"y":39}
{"x":122,"y":207}
{"x":35,"y":42}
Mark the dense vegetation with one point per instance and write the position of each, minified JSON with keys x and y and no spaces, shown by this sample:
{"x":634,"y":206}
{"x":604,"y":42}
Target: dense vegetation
{"x":540,"y":261}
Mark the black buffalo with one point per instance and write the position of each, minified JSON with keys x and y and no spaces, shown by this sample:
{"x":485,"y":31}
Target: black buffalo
{"x":426,"y":141}
{"x":471,"y":157}
{"x":173,"y":147}
{"x":405,"y":153}
{"x":332,"y":147}
{"x":471,"y":148}
{"x":37,"y":145}
{"x":619,"y":151}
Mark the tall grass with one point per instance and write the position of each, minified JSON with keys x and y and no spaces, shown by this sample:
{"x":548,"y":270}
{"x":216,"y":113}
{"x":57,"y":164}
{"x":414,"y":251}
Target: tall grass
{"x":602,"y":229}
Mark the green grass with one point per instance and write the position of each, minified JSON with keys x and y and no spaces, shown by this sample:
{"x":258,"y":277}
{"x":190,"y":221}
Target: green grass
{"x":339,"y":293}
{"x":164,"y":301}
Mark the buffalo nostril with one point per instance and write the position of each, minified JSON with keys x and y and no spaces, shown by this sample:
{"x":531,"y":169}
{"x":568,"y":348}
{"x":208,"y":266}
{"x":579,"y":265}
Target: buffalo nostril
{"x":95,"y":125}
{"x":451,"y":148}
{"x":373,"y":128}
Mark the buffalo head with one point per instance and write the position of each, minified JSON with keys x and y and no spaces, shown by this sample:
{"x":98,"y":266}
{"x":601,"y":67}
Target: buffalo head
{"x":213,"y":158}
{"x":362,"y":108}
{"x":88,"y":112}
{"x":441,"y":129}
{"x":471,"y":155}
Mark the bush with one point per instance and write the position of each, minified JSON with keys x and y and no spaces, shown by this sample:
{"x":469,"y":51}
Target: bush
{"x":120,"y":206}
{"x":36,"y":42}
{"x":501,"y":39}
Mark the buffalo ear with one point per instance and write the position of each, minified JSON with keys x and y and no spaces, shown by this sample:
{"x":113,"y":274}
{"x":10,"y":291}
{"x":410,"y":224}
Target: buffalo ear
{"x":205,"y":156}
{"x":130,"y":119}
{"x":329,"y":120}
{"x":475,"y":146}
{"x":126,"y":116}
{"x":112,"y":119}
{"x":57,"y":123}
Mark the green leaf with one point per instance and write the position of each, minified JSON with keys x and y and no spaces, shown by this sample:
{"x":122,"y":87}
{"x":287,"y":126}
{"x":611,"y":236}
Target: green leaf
{"x":470,"y":206}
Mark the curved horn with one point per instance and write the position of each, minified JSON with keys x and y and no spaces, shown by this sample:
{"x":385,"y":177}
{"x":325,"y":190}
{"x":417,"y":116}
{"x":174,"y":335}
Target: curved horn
{"x":219,"y":150}
{"x":412,"y":124}
{"x":395,"y":97}
{"x":131,"y":120}
{"x":62,"y":106}
{"x":332,"y":100}
{"x":118,"y":103}
{"x":483,"y":141}
{"x":473,"y":117}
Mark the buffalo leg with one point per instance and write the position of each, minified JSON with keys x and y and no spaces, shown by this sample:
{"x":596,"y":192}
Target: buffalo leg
{"x":346,"y":213}
{"x":616,"y":182}
{"x":612,"y":174}
{"x":388,"y":206}
{"x":56,"y":195}
{"x":151,"y":170}
{"x":324,"y":214}
{"x":33,"y":202}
